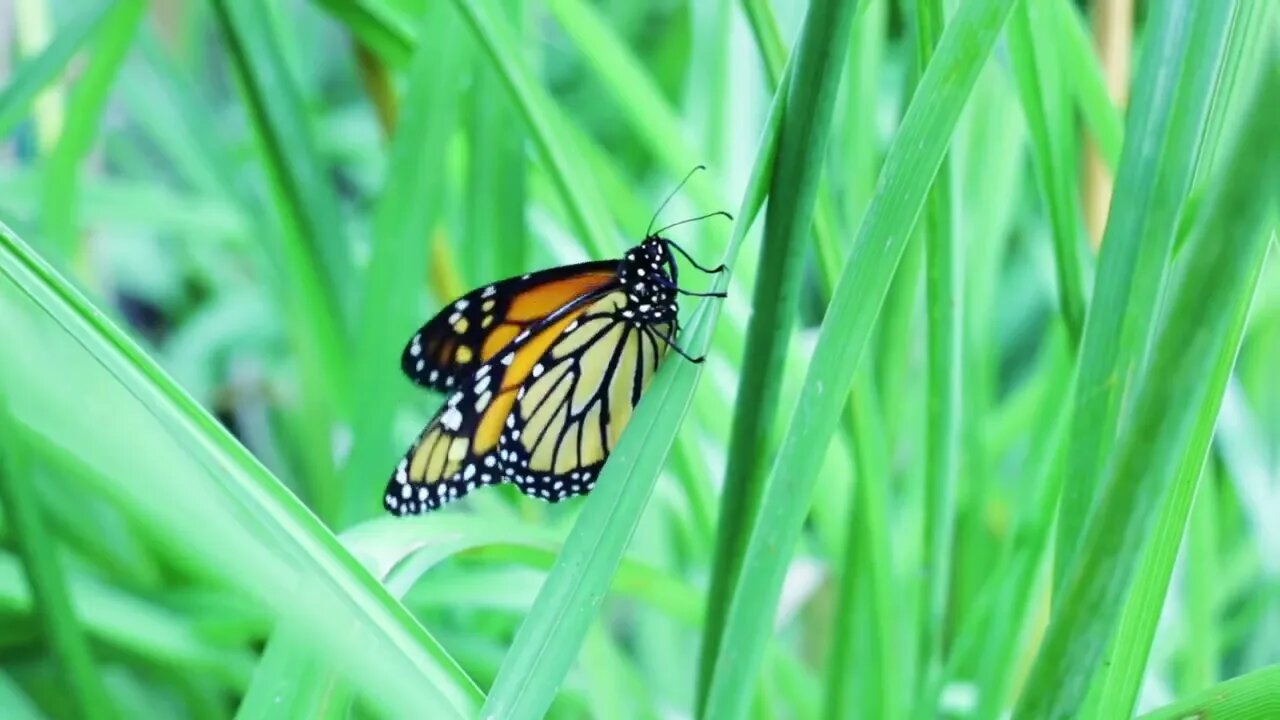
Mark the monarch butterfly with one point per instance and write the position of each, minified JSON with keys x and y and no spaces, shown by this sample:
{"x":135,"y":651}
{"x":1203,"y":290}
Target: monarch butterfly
{"x":543,"y":372}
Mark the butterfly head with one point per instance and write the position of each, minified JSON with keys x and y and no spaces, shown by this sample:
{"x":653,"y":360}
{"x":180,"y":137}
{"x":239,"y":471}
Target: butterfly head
{"x":648,"y":273}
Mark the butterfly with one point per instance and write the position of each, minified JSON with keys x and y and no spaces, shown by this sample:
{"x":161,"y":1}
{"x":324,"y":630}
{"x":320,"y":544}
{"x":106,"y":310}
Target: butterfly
{"x":542,"y":373}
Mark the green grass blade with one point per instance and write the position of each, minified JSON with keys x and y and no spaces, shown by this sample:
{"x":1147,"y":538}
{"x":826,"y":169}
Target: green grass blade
{"x":640,"y":101}
{"x":306,"y":196}
{"x":864,"y":682}
{"x":1032,"y":44}
{"x":378,"y":26}
{"x":193,"y":468}
{"x":1204,"y":644}
{"x":407,"y":211}
{"x":545,"y":124}
{"x":1123,"y":673}
{"x":29,"y":531}
{"x":1171,"y":102}
{"x":1254,"y":695}
{"x":793,"y":190}
{"x":496,"y":204}
{"x":60,"y":196}
{"x":944,"y":308}
{"x":550,"y":637}
{"x":33,"y":75}
{"x":1103,"y":119}
{"x":14,"y":703}
{"x":909,"y":169}
{"x":311,"y":268}
{"x":1174,"y":409}
{"x":124,"y":622}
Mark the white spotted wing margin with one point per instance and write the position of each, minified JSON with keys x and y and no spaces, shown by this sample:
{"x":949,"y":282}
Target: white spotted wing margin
{"x":563,"y":422}
{"x":458,"y":450}
{"x":571,"y":411}
{"x":449,"y":347}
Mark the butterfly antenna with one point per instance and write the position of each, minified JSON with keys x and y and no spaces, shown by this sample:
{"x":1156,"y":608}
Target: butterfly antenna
{"x":672,"y":344}
{"x":661,"y":207}
{"x":693,"y":219}
{"x":695,"y":263}
{"x":690,"y":293}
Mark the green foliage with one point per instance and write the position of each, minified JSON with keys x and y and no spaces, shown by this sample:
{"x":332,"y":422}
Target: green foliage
{"x":931,"y":467}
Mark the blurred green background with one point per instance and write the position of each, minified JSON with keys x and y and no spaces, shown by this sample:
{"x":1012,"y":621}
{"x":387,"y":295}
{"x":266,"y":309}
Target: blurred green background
{"x":1053,"y":489}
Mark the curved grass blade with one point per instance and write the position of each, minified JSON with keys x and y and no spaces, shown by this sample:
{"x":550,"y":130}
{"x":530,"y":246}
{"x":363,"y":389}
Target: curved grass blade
{"x":277,"y":108}
{"x":283,"y":558}
{"x":405,"y":214}
{"x":1253,"y":695}
{"x":909,"y":169}
{"x":33,"y":75}
{"x":793,"y":191}
{"x":1032,"y":44}
{"x":550,"y":637}
{"x":45,"y":575}
{"x":1174,"y":409}
{"x":545,"y":125}
{"x":311,"y":271}
{"x":944,"y":363}
{"x":1126,"y":665}
{"x":1171,"y":103}
{"x":378,"y":26}
{"x":60,"y":194}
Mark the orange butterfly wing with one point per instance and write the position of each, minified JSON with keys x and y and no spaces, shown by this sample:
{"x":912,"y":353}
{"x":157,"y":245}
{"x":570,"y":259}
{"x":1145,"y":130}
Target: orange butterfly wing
{"x":471,"y":330}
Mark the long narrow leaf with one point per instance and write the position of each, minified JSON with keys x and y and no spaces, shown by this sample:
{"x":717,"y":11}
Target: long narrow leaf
{"x":552,"y":634}
{"x":793,"y":190}
{"x":909,"y":169}
{"x":1174,"y":407}
{"x":284,"y":558}
{"x":1170,"y":106}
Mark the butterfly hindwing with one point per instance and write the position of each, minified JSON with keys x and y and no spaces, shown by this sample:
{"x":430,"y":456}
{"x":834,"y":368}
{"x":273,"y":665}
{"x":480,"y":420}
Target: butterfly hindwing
{"x":573,"y":407}
{"x":459,"y":449}
{"x":474,"y":328}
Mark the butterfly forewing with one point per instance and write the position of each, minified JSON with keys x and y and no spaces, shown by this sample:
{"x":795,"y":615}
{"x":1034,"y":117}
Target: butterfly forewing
{"x":473,"y":329}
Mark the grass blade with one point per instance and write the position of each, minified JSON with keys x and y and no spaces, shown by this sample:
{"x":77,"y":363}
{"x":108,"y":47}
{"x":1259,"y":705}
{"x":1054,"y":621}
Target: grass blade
{"x":406,"y":213}
{"x":306,"y":196}
{"x":909,"y":169}
{"x":1170,"y":105}
{"x":1122,"y":676}
{"x":944,"y":310}
{"x":1173,"y":412}
{"x":26,"y":82}
{"x":1255,"y":695}
{"x":544,"y":122}
{"x":793,"y":192}
{"x":28,"y":530}
{"x":60,"y":196}
{"x":553,"y":632}
{"x":1032,"y":45}
{"x":312,"y":270}
{"x":285,"y":560}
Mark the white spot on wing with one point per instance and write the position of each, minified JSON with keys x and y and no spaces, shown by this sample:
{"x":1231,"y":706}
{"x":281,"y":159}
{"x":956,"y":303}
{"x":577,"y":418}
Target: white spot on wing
{"x":452,"y":419}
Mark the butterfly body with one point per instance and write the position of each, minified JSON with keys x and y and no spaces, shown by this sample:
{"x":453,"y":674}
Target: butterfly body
{"x":543,"y":372}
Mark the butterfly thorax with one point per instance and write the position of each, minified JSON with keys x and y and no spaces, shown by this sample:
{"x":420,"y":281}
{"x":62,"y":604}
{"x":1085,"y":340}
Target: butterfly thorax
{"x":647,"y":274}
